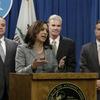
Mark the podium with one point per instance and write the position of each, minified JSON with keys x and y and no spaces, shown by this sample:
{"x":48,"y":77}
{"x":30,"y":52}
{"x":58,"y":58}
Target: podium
{"x":52,"y":86}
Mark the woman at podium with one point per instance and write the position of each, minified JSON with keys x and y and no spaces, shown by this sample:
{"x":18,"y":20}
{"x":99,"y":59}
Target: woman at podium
{"x":36,"y":54}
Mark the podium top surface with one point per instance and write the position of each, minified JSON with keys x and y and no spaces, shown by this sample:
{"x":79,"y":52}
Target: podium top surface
{"x":67,"y":75}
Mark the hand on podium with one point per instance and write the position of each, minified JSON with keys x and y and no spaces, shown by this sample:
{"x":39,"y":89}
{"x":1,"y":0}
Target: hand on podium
{"x":98,"y":84}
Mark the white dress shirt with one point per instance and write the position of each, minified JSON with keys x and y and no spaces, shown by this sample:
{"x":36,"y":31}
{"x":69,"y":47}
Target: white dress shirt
{"x":3,"y":44}
{"x":98,"y":49}
{"x":57,"y":40}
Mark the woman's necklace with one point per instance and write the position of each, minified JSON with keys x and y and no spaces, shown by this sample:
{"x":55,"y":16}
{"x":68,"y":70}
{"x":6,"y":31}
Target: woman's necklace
{"x":39,"y":51}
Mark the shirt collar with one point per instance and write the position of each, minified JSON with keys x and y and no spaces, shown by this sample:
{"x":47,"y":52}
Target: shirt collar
{"x":98,"y":43}
{"x":2,"y":39}
{"x":56,"y":40}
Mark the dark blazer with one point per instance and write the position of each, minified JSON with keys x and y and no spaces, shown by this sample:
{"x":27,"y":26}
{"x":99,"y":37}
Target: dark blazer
{"x":6,"y":67}
{"x":89,"y":58}
{"x":67,"y":48}
{"x":89,"y":61}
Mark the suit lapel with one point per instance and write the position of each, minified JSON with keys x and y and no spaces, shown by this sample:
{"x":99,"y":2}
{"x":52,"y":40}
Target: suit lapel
{"x":59,"y":47}
{"x":7,"y":50}
{"x":32,"y":52}
{"x":95,"y":54}
{"x":1,"y":60}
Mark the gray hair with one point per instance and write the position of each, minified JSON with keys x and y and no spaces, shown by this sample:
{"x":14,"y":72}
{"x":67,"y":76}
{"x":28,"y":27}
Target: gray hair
{"x":55,"y":17}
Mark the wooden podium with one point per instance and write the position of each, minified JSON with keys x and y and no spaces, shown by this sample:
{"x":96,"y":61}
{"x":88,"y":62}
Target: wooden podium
{"x":40,"y":86}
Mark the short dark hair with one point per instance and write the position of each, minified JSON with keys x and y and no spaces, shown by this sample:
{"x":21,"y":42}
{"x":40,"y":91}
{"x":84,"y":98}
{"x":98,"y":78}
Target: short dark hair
{"x":2,"y":18}
{"x":34,"y":29}
{"x":98,"y":21}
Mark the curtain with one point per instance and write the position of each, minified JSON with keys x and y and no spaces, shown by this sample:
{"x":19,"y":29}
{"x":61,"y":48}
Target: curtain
{"x":79,"y":18}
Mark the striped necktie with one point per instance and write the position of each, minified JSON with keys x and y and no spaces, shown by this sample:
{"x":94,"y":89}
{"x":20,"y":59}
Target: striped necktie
{"x":2,"y":52}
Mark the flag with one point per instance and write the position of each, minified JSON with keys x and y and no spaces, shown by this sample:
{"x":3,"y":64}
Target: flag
{"x":26,"y":18}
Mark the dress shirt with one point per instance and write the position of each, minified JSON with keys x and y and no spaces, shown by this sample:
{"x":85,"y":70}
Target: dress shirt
{"x":98,"y":49}
{"x":57,"y":40}
{"x":3,"y":45}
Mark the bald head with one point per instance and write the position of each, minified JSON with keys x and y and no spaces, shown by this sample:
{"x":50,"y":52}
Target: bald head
{"x":2,"y":19}
{"x":2,"y":26}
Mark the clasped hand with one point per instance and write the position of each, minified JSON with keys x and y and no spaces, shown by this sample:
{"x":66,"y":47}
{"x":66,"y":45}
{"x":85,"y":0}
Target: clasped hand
{"x":41,"y":61}
{"x":38,"y":62}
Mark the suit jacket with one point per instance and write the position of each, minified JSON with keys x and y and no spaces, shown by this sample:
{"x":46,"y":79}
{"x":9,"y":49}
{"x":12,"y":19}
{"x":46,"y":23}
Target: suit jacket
{"x":25,"y":57}
{"x":6,"y":67}
{"x":67,"y":48}
{"x":89,"y":58}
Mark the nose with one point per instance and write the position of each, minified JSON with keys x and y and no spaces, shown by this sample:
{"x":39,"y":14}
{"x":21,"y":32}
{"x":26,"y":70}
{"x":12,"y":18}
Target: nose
{"x":1,"y":26}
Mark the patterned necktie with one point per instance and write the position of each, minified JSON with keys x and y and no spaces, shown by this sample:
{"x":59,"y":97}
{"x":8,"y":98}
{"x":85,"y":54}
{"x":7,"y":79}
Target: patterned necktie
{"x":2,"y":52}
{"x":54,"y":47}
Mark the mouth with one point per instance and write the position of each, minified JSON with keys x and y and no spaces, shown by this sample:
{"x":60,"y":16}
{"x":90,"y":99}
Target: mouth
{"x":44,"y":36}
{"x":1,"y":30}
{"x":55,"y":31}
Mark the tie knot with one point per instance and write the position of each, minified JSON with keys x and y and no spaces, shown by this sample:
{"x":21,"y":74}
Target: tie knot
{"x":53,"y":42}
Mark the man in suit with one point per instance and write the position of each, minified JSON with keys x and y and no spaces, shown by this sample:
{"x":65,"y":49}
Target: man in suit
{"x":8,"y":64}
{"x":65,"y":47}
{"x":90,"y":57}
